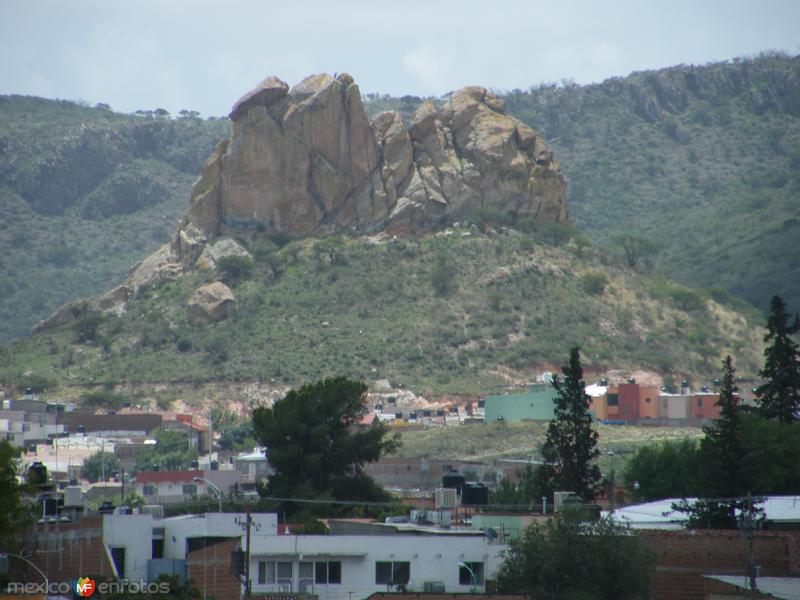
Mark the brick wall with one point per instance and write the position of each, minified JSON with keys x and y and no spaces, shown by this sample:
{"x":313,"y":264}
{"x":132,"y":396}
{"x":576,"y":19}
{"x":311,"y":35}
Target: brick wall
{"x":65,"y":551}
{"x":683,"y":557}
{"x":210,"y":568}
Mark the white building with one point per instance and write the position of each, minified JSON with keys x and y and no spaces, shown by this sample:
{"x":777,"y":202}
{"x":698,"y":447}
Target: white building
{"x":338,"y":567}
{"x":334,"y":567}
{"x":136,"y":543}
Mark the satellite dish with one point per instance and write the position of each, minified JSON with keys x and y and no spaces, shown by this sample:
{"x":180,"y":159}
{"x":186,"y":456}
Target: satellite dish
{"x":547,"y":377}
{"x":490,"y":533}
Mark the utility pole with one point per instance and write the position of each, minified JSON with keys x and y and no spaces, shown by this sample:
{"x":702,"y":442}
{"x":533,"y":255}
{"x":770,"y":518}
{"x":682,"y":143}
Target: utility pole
{"x":247,"y":557}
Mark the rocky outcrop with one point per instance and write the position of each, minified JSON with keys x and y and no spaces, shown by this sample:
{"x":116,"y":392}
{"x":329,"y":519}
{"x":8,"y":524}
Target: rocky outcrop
{"x":308,"y":161}
{"x":210,"y":303}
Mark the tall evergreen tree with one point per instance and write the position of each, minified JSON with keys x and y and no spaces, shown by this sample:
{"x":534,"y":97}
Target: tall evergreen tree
{"x":722,"y":450}
{"x":571,"y":445}
{"x":723,"y":464}
{"x":779,"y":396}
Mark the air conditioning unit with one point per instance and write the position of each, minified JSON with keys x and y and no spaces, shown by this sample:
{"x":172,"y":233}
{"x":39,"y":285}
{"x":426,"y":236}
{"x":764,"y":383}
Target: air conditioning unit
{"x":445,"y":498}
{"x":433,"y":587}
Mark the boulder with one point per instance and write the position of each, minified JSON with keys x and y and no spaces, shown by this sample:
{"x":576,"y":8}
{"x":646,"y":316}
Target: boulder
{"x":221,"y":247}
{"x":210,"y":303}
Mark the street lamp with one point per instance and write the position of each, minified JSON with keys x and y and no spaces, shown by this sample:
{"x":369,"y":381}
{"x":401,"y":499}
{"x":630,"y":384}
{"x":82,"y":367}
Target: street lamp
{"x":38,"y":570}
{"x":212,"y":486}
{"x":471,"y":574}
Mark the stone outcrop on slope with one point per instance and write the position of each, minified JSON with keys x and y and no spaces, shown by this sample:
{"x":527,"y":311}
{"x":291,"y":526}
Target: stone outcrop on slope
{"x":308,"y":161}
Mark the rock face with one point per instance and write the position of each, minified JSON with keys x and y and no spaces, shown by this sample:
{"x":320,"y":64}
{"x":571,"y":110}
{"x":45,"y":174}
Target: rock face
{"x":308,"y":161}
{"x":210,"y":303}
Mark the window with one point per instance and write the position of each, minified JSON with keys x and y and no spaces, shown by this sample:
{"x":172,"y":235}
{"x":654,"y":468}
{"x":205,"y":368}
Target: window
{"x":189,"y":489}
{"x":613,"y":399}
{"x":465,"y":577}
{"x":149,"y":490}
{"x":699,"y":403}
{"x":271,"y":572}
{"x":328,"y":572}
{"x":392,"y":573}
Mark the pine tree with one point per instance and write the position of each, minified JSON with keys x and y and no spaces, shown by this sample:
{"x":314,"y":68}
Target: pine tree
{"x":779,"y":396}
{"x":571,"y":445}
{"x":722,"y":450}
{"x":722,"y":464}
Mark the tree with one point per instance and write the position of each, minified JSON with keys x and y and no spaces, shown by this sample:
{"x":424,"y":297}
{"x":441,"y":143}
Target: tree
{"x":315,"y":446}
{"x":100,"y":465}
{"x":665,"y":470}
{"x":12,"y":510}
{"x":779,"y":396}
{"x":722,"y":450}
{"x":635,"y":249}
{"x":571,"y":445}
{"x":722,"y":462}
{"x":443,"y":277}
{"x":171,"y":452}
{"x":569,"y":558}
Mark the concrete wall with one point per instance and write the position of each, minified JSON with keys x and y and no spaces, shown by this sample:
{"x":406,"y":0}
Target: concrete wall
{"x":135,"y":534}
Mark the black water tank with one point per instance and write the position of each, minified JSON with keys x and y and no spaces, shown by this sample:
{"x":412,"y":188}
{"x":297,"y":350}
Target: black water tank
{"x":475,"y":494}
{"x":453,"y":480}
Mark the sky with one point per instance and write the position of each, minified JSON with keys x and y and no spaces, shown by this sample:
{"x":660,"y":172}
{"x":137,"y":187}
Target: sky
{"x":203,"y":55}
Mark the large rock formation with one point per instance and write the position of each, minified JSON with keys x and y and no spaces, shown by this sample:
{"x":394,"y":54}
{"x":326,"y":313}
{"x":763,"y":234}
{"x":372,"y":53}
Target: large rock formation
{"x":307,"y":160}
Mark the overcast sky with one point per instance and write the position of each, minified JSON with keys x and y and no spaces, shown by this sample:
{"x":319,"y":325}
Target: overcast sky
{"x":203,"y":55}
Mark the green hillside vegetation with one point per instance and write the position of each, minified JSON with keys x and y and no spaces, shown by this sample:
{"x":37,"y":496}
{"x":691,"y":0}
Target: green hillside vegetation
{"x":84,"y":194}
{"x":516,"y":440}
{"x":703,"y":160}
{"x":462,"y":313}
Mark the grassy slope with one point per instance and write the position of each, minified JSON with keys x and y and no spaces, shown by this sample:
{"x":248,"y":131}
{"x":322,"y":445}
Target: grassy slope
{"x":84,"y":194}
{"x":373,"y":313}
{"x":486,"y":442}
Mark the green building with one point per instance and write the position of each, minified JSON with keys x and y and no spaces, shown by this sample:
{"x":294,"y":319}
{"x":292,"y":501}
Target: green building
{"x":535,"y":405}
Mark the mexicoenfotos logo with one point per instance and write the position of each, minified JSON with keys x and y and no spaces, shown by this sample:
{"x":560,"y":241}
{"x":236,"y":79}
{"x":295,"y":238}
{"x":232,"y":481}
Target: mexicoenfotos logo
{"x":84,"y":587}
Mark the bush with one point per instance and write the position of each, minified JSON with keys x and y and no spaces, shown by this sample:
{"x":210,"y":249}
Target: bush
{"x":86,"y":327}
{"x":594,"y":283}
{"x":443,"y":277}
{"x":235,"y":268}
{"x":103,"y":399}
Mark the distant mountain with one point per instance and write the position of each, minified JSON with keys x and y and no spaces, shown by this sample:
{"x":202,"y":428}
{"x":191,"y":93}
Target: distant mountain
{"x":703,"y":160}
{"x":435,"y":253}
{"x":84,"y":194}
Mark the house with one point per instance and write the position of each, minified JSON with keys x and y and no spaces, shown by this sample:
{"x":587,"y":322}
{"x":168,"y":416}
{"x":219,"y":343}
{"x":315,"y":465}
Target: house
{"x":112,"y":425}
{"x":703,"y":405}
{"x":534,"y":405}
{"x":168,"y":487}
{"x":28,"y":422}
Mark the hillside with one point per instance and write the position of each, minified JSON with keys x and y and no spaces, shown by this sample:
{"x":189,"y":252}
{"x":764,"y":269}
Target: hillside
{"x":710,"y":151}
{"x":84,"y":194}
{"x":703,"y":160}
{"x":457,"y":312}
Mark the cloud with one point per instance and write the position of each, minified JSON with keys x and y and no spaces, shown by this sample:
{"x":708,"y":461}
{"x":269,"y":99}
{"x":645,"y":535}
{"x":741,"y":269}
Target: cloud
{"x":430,"y":68}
